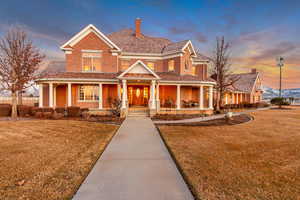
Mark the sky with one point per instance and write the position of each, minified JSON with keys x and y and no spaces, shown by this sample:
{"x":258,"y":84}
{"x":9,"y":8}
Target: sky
{"x":257,"y":30}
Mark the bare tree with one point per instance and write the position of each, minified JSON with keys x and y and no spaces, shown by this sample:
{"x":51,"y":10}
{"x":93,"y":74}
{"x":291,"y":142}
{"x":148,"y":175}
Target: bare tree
{"x":19,"y":62}
{"x":221,"y":69}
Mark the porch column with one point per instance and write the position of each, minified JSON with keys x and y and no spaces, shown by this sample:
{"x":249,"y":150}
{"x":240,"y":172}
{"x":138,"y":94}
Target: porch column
{"x":237,"y":98}
{"x":178,"y":97}
{"x":211,"y":97}
{"x":232,"y":98}
{"x":119,"y":91}
{"x":69,"y":94}
{"x":241,"y":99}
{"x":157,"y":97}
{"x":54,"y":94}
{"x":51,"y":95}
{"x":226,"y":98}
{"x":201,"y":97}
{"x":153,"y":94}
{"x":124,"y":94}
{"x":40,"y":95}
{"x":100,"y":96}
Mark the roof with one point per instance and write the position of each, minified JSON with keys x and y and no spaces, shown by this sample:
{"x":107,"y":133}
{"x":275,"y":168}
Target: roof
{"x":128,"y":42}
{"x":245,"y":82}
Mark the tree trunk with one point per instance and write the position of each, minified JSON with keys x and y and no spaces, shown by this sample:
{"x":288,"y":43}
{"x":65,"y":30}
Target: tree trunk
{"x":20,"y":98}
{"x":14,"y":113}
{"x":218,"y":100}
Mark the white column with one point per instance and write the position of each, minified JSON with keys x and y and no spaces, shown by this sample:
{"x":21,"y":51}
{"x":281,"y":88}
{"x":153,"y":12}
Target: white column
{"x":211,"y":97}
{"x":69,"y":94}
{"x":124,"y":94}
{"x":178,"y":97}
{"x":241,"y":98}
{"x":119,"y":91}
{"x":54,"y":94}
{"x":226,"y":98}
{"x":41,"y":95}
{"x":153,"y":94}
{"x":51,"y":95}
{"x":237,"y":98}
{"x":100,"y":96}
{"x":201,"y":94}
{"x":232,"y":98}
{"x":157,"y":97}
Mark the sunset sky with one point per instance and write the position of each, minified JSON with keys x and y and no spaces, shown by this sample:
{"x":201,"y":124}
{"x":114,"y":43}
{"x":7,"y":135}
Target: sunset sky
{"x":259,"y":30}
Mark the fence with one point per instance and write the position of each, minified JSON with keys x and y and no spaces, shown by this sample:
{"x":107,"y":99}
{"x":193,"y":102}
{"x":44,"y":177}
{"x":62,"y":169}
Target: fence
{"x":30,"y":101}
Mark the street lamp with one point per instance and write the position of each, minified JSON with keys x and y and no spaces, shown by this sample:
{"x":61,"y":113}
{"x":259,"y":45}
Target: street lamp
{"x":280,"y":64}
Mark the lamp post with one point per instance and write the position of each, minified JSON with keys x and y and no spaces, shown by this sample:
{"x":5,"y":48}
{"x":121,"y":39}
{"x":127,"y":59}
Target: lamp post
{"x":280,"y":64}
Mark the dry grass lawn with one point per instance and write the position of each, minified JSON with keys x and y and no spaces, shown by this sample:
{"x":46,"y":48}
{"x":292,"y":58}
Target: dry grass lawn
{"x":255,"y":160}
{"x":46,"y":159}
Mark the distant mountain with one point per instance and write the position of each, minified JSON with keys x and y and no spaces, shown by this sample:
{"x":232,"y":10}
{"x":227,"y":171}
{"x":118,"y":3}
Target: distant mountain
{"x":271,"y":93}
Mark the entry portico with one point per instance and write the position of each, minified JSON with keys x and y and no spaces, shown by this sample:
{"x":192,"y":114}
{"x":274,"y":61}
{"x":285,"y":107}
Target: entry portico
{"x":138,"y":86}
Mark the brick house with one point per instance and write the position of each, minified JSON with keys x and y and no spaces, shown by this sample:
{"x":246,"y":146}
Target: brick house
{"x":148,"y":73}
{"x":247,"y":89}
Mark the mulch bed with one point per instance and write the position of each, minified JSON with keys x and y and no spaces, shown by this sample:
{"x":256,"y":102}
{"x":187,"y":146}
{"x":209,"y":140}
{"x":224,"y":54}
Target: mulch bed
{"x":216,"y":122}
{"x":168,"y":117}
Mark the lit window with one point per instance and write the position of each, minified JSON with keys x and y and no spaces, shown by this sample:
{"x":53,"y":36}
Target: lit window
{"x":124,"y":64}
{"x":186,"y":64}
{"x":91,"y":61}
{"x":150,"y":65}
{"x":194,"y":70}
{"x":171,"y":66}
{"x":88,"y":93}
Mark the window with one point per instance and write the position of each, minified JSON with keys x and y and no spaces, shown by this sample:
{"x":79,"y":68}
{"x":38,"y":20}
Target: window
{"x":124,"y":64}
{"x":194,"y":71}
{"x":91,"y":61}
{"x":171,"y":66}
{"x":88,"y":93}
{"x":150,"y":65}
{"x":186,"y":64}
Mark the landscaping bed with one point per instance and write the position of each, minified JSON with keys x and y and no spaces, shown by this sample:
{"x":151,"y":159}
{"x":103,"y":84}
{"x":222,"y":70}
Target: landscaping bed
{"x":216,"y":122}
{"x":48,"y":159}
{"x":176,"y":116}
{"x":257,"y":160}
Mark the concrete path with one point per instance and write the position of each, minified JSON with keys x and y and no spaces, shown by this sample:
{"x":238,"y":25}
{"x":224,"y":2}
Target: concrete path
{"x":201,"y":119}
{"x":135,"y":166}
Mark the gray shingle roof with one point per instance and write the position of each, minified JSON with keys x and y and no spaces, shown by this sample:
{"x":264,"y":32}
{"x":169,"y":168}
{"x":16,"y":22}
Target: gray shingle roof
{"x":175,"y":46}
{"x":245,"y":81}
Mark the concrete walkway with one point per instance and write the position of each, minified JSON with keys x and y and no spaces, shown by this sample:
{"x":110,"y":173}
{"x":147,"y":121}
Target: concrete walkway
{"x":135,"y":166}
{"x":201,"y":119}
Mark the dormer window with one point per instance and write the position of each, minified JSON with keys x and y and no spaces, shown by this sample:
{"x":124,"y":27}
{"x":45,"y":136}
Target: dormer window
{"x":150,"y":65}
{"x":194,"y":71}
{"x":91,"y":60}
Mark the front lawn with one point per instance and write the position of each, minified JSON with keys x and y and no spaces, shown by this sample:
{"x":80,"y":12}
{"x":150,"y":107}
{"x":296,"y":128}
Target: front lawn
{"x":255,"y":160}
{"x":46,"y":159}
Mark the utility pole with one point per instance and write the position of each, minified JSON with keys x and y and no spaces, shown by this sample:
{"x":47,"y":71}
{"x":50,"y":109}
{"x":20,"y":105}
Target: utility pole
{"x":280,"y":64}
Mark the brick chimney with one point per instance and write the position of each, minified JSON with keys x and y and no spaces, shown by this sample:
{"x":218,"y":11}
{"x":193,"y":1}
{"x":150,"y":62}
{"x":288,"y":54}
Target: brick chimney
{"x":138,"y":22}
{"x":253,"y":71}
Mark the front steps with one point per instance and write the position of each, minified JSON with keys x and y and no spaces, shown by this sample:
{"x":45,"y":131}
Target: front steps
{"x":138,"y":112}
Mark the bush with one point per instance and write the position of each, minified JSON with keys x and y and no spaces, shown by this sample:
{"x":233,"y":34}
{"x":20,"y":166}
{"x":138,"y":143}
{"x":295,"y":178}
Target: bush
{"x":279,"y":101}
{"x":116,"y":107}
{"x":73,"y":111}
{"x":5,"y":110}
{"x":24,"y":110}
{"x":34,"y":110}
{"x":60,"y":110}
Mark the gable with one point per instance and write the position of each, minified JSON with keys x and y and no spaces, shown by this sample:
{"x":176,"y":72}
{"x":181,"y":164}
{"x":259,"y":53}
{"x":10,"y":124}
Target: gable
{"x":139,"y":70}
{"x":85,"y":32}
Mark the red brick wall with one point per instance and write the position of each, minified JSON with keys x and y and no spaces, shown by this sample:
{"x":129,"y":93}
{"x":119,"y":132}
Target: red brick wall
{"x":61,"y":96}
{"x":91,"y":42}
{"x":109,"y":91}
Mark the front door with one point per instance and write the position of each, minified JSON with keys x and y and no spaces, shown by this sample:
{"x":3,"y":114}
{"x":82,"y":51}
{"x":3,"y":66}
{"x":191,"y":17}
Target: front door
{"x":138,"y":95}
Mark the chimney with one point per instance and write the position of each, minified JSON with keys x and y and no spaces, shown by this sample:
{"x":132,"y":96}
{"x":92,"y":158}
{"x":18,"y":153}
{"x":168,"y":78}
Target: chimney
{"x":253,"y":71}
{"x":138,"y":22}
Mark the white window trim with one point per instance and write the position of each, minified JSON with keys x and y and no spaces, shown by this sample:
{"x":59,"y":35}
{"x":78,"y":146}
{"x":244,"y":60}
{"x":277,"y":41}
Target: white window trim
{"x":90,"y":51}
{"x":80,"y":100}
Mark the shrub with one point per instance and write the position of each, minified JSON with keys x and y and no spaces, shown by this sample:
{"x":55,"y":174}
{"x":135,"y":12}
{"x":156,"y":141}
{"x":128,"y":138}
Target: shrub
{"x":83,"y":111}
{"x":24,"y":110}
{"x":5,"y":110}
{"x":116,"y":107}
{"x":34,"y":110}
{"x":280,"y":101}
{"x":60,"y":110}
{"x":57,"y":116}
{"x":73,"y":111}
